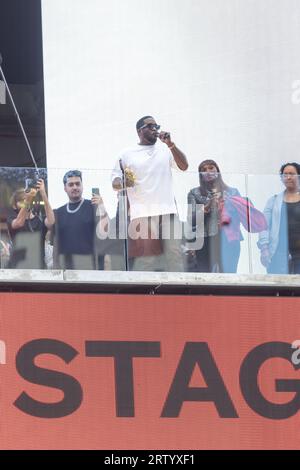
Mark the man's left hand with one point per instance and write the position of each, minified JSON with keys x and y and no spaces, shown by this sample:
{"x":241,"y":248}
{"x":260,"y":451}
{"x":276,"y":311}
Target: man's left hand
{"x":165,"y":137}
{"x":97,"y":200}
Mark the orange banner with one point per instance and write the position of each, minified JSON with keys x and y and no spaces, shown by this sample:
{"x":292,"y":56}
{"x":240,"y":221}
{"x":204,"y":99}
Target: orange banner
{"x":81,"y":371}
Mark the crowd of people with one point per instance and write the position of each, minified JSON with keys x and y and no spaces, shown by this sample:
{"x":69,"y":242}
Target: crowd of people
{"x":146,"y":234}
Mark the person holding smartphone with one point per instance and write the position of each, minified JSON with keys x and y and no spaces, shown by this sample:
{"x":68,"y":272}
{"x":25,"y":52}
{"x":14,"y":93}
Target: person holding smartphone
{"x":75,"y":226}
{"x":27,"y":225}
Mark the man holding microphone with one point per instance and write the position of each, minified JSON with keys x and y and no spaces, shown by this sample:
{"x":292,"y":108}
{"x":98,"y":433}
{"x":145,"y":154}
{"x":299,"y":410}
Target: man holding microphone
{"x":145,"y":171}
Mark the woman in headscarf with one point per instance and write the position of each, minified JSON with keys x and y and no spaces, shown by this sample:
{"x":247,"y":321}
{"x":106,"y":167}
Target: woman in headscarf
{"x":221,"y":230}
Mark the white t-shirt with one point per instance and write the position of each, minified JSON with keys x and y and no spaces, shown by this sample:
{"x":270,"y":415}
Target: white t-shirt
{"x":153,"y":192}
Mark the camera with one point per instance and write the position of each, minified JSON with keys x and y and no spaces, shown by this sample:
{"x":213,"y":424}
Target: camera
{"x":30,"y":183}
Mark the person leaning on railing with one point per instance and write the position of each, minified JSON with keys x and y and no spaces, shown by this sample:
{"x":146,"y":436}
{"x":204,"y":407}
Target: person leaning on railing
{"x":25,"y":218}
{"x":280,"y":243}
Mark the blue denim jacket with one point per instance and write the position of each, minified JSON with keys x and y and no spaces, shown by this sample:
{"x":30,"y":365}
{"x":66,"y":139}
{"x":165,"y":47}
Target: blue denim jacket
{"x":272,"y":213}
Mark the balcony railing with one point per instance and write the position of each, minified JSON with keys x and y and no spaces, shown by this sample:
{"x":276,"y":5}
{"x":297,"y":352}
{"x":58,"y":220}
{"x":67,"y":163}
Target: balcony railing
{"x":244,"y":225}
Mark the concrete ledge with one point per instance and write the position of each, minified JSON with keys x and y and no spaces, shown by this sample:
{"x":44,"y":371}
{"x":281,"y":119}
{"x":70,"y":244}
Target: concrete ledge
{"x":119,"y":278}
{"x":31,"y":275}
{"x":186,"y":279}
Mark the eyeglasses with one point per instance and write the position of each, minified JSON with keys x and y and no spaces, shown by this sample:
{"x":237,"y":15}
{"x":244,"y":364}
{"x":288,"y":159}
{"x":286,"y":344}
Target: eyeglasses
{"x":152,"y":127}
{"x":286,"y":175}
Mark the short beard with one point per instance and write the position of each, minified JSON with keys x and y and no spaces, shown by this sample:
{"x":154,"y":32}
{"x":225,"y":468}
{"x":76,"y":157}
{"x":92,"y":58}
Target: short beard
{"x":75,"y":199}
{"x":153,"y":141}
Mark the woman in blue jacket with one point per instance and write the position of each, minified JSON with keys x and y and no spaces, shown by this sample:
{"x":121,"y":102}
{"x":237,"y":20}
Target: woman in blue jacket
{"x":280,"y":243}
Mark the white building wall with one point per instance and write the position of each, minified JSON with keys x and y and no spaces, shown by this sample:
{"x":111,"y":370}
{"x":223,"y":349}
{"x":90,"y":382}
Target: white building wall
{"x":221,"y":75}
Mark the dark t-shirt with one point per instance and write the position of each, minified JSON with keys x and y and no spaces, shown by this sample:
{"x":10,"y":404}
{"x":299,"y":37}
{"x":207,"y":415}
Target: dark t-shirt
{"x":28,"y":242}
{"x":293,"y":214}
{"x":75,"y":231}
{"x":31,"y":225}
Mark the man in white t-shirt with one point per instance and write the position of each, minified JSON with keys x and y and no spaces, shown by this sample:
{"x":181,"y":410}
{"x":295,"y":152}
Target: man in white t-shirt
{"x":145,"y":171}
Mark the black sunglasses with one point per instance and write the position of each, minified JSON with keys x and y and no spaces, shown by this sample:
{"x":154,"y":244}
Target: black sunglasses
{"x":152,"y":127}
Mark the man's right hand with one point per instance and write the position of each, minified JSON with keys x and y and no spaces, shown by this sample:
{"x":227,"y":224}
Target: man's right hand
{"x":118,"y":185}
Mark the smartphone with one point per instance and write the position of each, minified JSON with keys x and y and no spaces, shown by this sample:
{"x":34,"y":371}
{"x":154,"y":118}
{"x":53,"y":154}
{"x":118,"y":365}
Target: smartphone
{"x":95,"y":192}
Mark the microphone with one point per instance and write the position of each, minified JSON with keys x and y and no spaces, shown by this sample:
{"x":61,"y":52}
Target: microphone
{"x":123,"y":176}
{"x":163,"y":135}
{"x":121,"y":166}
{"x":123,"y":205}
